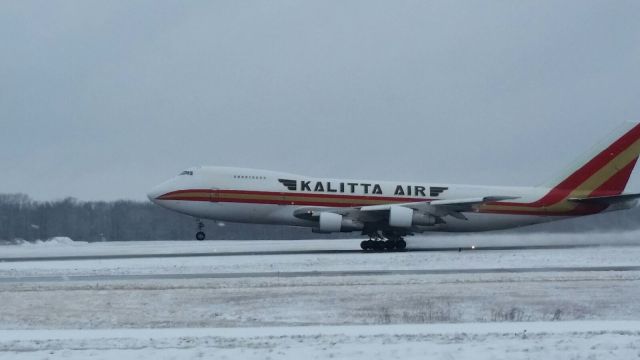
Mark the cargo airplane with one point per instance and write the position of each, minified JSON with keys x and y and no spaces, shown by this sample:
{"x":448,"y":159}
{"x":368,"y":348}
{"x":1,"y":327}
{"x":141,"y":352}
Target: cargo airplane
{"x":387,"y":211}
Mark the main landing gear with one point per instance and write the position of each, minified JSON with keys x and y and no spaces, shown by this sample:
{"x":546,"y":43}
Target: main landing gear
{"x":378,"y":243}
{"x":200,"y":235}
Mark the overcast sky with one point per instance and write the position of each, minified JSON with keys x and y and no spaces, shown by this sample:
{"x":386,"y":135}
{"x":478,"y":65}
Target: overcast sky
{"x":104,"y":99}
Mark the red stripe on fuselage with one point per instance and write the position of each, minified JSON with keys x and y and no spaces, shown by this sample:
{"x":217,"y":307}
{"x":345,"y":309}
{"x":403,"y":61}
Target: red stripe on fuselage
{"x":324,"y":195}
{"x":317,"y":200}
{"x":296,"y":194}
{"x":283,"y":198}
{"x":579,"y":210}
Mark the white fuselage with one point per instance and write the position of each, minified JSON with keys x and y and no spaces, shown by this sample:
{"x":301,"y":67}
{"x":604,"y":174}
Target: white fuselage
{"x":267,"y":197}
{"x":388,"y":209}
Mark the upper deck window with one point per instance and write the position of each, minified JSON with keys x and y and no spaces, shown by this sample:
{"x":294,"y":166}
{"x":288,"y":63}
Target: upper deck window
{"x":249,"y":177}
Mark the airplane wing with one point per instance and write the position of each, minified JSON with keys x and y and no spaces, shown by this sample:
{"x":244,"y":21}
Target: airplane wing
{"x":442,"y":208}
{"x":606,"y":200}
{"x":437,"y":208}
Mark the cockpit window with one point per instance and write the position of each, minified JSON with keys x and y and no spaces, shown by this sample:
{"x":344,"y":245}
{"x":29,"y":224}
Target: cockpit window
{"x":187,"y":172}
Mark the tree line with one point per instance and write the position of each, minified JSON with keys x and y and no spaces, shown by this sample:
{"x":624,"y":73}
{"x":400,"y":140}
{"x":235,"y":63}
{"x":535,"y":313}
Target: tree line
{"x":124,"y":220}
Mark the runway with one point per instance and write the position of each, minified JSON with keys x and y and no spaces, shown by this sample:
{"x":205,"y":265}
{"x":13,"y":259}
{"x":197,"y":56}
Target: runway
{"x":307,"y":274}
{"x":278,"y":252}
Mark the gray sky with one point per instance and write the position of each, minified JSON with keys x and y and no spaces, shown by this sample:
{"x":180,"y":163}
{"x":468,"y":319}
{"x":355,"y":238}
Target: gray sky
{"x":104,"y":99}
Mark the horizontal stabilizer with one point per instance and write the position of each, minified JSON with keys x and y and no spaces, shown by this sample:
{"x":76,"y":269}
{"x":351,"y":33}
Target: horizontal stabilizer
{"x":606,"y":200}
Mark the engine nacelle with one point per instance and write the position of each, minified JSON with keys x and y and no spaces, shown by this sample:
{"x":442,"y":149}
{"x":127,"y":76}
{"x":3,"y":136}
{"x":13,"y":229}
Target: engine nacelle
{"x":330,"y":222}
{"x":420,"y":219}
{"x":400,"y":216}
{"x":403,"y":217}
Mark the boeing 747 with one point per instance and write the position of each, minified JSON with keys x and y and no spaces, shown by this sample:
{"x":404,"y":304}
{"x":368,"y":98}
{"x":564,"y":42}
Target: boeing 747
{"x":386,"y":212}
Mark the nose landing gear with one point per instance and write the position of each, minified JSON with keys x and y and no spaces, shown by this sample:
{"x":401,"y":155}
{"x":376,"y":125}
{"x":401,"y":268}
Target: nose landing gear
{"x":200,"y":235}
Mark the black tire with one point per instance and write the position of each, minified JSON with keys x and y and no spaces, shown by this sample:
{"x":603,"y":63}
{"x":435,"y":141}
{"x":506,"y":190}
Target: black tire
{"x":200,"y":236}
{"x":401,"y":244}
{"x":390,"y":245}
{"x":364,"y":246}
{"x":370,"y":245}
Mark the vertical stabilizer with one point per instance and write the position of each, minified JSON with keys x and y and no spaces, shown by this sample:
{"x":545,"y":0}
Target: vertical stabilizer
{"x":608,"y":171}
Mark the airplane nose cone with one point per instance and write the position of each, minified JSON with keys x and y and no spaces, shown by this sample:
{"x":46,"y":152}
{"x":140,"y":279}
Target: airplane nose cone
{"x":155,"y":193}
{"x":158,"y":193}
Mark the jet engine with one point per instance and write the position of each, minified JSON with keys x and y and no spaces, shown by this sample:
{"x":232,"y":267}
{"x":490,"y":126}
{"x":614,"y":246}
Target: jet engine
{"x":330,"y":222}
{"x":403,"y":217}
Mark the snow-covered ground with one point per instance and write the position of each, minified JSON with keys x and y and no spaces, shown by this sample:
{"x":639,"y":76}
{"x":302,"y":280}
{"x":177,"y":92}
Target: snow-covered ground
{"x":567,"y":314}
{"x":569,"y":340}
{"x":626,"y":255}
{"x":65,"y":246}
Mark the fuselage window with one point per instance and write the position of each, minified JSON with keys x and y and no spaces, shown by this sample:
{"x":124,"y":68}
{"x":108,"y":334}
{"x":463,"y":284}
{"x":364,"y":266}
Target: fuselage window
{"x":252,"y":177}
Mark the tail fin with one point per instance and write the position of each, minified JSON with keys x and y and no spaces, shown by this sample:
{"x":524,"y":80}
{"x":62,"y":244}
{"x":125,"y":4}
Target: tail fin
{"x":608,"y":172}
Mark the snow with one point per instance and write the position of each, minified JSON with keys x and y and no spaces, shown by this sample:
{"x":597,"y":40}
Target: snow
{"x":452,"y":316}
{"x":516,"y":258}
{"x":57,"y":241}
{"x":542,"y":340}
{"x":66,"y":247}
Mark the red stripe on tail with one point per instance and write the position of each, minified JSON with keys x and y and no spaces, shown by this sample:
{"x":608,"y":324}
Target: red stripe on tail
{"x":617,"y":183}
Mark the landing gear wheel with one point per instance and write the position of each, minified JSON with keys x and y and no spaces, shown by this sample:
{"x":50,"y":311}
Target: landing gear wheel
{"x":401,"y":244}
{"x":390,"y":245}
{"x":200,"y":235}
{"x":368,"y":245}
{"x":379,"y":245}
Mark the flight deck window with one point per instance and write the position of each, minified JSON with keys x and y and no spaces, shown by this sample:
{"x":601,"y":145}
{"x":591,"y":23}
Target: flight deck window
{"x":190,"y":173}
